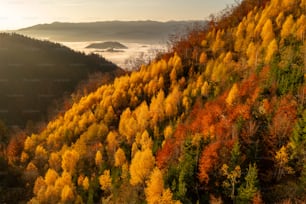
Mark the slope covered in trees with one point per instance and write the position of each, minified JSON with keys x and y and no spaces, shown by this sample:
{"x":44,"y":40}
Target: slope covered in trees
{"x":219,"y":119}
{"x":35,"y":73}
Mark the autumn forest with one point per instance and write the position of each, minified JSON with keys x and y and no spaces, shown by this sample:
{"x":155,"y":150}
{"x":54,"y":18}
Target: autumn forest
{"x":220,"y":118}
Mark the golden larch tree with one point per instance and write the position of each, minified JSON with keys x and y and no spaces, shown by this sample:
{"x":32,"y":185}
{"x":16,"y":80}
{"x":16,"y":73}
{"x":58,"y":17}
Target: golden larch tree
{"x":155,"y":187}
{"x":232,"y":95}
{"x":203,"y":58}
{"x":141,"y":166}
{"x":70,"y":160}
{"x":120,"y":158}
{"x":105,"y":180}
{"x":252,"y":54}
{"x":155,"y":192}
{"x":85,"y":183}
{"x":146,"y":141}
{"x":287,"y":27}
{"x":272,"y":48}
{"x":51,"y":177}
{"x":67,"y":194}
{"x":267,"y":33}
{"x":98,"y":158}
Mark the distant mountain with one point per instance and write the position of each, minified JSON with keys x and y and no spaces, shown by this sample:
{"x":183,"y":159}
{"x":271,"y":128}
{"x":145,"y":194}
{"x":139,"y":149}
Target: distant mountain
{"x":34,"y":73}
{"x":136,"y":31}
{"x":107,"y":45}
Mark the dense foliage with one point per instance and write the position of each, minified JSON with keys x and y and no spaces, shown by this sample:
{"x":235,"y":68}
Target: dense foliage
{"x":219,"y":119}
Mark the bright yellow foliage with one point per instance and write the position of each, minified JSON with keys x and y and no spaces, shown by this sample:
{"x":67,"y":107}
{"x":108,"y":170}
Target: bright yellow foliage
{"x":267,"y":33}
{"x":98,"y":158}
{"x":301,"y":27}
{"x":272,"y":48}
{"x":28,"y":143}
{"x":287,"y":27}
{"x":168,"y":131}
{"x":172,"y":102}
{"x":203,"y":58}
{"x":39,"y":184}
{"x":69,"y":160}
{"x":119,"y":157}
{"x":252,"y":54}
{"x":141,"y":166}
{"x":155,"y":187}
{"x":55,"y":161}
{"x":112,"y":141}
{"x":145,"y":141}
{"x":155,"y":192}
{"x":51,"y":177}
{"x":281,"y":163}
{"x":105,"y":180}
{"x":232,"y":95}
{"x":67,"y":194}
{"x":279,"y":20}
{"x":85,"y":183}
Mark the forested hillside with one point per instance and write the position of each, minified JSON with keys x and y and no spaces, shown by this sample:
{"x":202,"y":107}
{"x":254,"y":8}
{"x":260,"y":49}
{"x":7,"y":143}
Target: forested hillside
{"x":221,"y":118}
{"x":34,"y":74}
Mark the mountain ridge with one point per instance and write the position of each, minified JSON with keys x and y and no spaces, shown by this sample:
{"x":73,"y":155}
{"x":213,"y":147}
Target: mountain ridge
{"x":110,"y":30}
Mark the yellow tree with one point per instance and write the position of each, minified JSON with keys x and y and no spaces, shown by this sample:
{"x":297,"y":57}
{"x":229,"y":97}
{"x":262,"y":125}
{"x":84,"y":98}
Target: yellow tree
{"x":98,"y":158}
{"x":267,"y":33}
{"x":155,"y":187}
{"x":301,"y":27}
{"x":172,"y":102}
{"x":67,"y":194}
{"x":127,"y":125}
{"x":55,"y":161}
{"x":252,"y":54}
{"x":168,"y":131}
{"x":232,"y":95}
{"x":112,"y":141}
{"x":141,"y":166}
{"x":157,"y":108}
{"x":232,"y":178}
{"x":287,"y":27}
{"x":281,"y":163}
{"x":38,"y":185}
{"x":119,"y":157}
{"x":51,"y":177}
{"x":105,"y":180}
{"x":279,"y":20}
{"x":239,"y":36}
{"x":205,"y":89}
{"x":155,"y":192}
{"x":70,"y":160}
{"x":142,"y":116}
{"x":85,"y":183}
{"x":203,"y":58}
{"x":272,"y":48}
{"x":219,"y":43}
{"x":145,"y":141}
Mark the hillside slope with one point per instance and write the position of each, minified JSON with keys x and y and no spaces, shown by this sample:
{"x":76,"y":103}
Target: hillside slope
{"x":34,"y":73}
{"x":220,"y":119}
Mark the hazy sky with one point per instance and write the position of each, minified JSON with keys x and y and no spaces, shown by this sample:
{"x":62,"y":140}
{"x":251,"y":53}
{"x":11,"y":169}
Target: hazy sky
{"x":22,"y":13}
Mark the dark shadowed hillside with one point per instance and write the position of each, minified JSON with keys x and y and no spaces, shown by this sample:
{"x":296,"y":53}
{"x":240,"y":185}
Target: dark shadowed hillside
{"x":34,"y":74}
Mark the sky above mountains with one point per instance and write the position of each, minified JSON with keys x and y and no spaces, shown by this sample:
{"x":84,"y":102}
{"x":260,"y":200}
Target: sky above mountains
{"x":16,"y":14}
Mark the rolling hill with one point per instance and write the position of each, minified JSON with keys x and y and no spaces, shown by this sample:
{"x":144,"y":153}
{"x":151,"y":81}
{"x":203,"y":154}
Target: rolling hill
{"x":34,"y":74}
{"x":219,"y":119}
